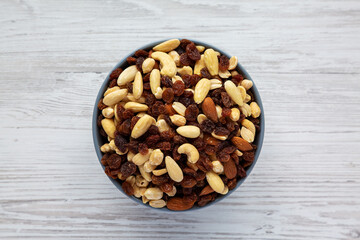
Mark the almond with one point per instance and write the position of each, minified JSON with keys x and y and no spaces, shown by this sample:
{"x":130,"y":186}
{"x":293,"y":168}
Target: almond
{"x":215,"y":182}
{"x":179,"y":204}
{"x":173,"y":169}
{"x":209,"y":109}
{"x":206,"y":190}
{"x":241,"y":144}
{"x":230,"y":169}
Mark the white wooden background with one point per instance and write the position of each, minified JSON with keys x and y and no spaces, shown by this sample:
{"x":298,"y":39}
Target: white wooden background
{"x":303,"y":55}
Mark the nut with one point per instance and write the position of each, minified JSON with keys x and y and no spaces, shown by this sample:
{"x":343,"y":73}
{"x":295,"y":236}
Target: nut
{"x":144,"y":174}
{"x":127,"y":75}
{"x":243,"y":92}
{"x":140,"y":159}
{"x":108,"y":112}
{"x":136,"y":107}
{"x":144,"y":199}
{"x":188,"y":131}
{"x":201,"y":117}
{"x":185,"y":70}
{"x":241,"y":144}
{"x":246,"y":110}
{"x":215,"y":182}
{"x":162,"y":125}
{"x":247,"y":84}
{"x":157,"y":203}
{"x":175,"y":56}
{"x":172,"y":193}
{"x":167,"y":46}
{"x":255,"y":110}
{"x":130,"y":98}
{"x":222,"y":138}
{"x":249,"y":125}
{"x":199,"y":64}
{"x":109,"y":127}
{"x":159,"y":172}
{"x":114,"y":148}
{"x":138,"y":86}
{"x":209,"y":109}
{"x":218,"y":111}
{"x":105,"y":148}
{"x":217,"y":167}
{"x":176,"y":78}
{"x":230,"y":169}
{"x":224,"y":74}
{"x":233,"y":63}
{"x":142,"y":125}
{"x":110,"y":90}
{"x":114,"y":97}
{"x":200,"y":48}
{"x":148,"y":167}
{"x":247,"y":98}
{"x":178,"y":120}
{"x":130,"y":156}
{"x":238,"y":153}
{"x":234,"y":73}
{"x":225,"y":191}
{"x":148,"y":65}
{"x":215,"y":83}
{"x":168,"y":64}
{"x":247,"y":135}
{"x":173,"y":169}
{"x":233,"y":92}
{"x":154,"y":80}
{"x":179,"y":108}
{"x":211,"y":61}
{"x":191,"y":152}
{"x":140,"y":181}
{"x":201,"y":90}
{"x":153,"y":193}
{"x":235,"y":114}
{"x":156,"y":157}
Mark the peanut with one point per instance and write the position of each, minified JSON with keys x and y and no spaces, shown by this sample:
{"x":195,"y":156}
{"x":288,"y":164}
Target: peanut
{"x":148,"y":65}
{"x":247,"y":98}
{"x":142,"y":125}
{"x":168,"y":64}
{"x":215,"y":182}
{"x":156,"y":157}
{"x":158,"y":93}
{"x":162,"y":125}
{"x":157,"y":203}
{"x":167,"y":46}
{"x":218,"y":111}
{"x":217,"y":167}
{"x":138,"y":86}
{"x":200,"y":48}
{"x":201,"y":117}
{"x":178,"y":120}
{"x":140,"y":159}
{"x":233,"y":63}
{"x":108,"y":112}
{"x":247,"y":84}
{"x":110,"y":90}
{"x":140,"y":181}
{"x":249,"y":125}
{"x":224,"y":74}
{"x":159,"y":172}
{"x":130,"y":98}
{"x":201,"y":90}
{"x":130,"y":156}
{"x":247,"y":135}
{"x":109,"y":127}
{"x":188,"y":131}
{"x":173,"y":169}
{"x":144,"y":174}
{"x":246,"y":110}
{"x":215,"y":83}
{"x":211,"y":61}
{"x":243,"y":92}
{"x":255,"y":110}
{"x":114,"y":97}
{"x":172,"y":193}
{"x":105,"y":148}
{"x":127,"y":75}
{"x":233,"y":92}
{"x":191,"y":152}
{"x":199,"y":64}
{"x":148,"y":167}
{"x":235,"y":114}
{"x":179,"y":108}
{"x":136,"y":107}
{"x":153,"y":193}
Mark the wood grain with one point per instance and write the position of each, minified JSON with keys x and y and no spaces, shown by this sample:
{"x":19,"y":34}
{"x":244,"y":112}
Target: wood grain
{"x":303,"y":55}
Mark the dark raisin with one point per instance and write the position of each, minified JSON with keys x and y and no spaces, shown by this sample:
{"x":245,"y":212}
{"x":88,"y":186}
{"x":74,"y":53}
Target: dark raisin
{"x":146,"y":86}
{"x":134,"y":121}
{"x":158,"y":180}
{"x":139,"y":62}
{"x":157,"y":109}
{"x":178,"y":88}
{"x":248,"y":156}
{"x":153,"y":130}
{"x":207,"y":126}
{"x":120,"y":142}
{"x":237,"y":79}
{"x":191,"y":112}
{"x":199,"y":143}
{"x":187,"y":191}
{"x":166,"y":187}
{"x":186,"y":101}
{"x":205,"y":73}
{"x":168,"y":95}
{"x":230,"y":125}
{"x":221,"y":131}
{"x":192,"y":52}
{"x":223,"y":63}
{"x":133,"y":146}
{"x":131,"y":60}
{"x":150,"y":99}
{"x":179,"y":140}
{"x":146,"y":78}
{"x":104,"y":158}
{"x":101,"y":104}
{"x":141,"y":53}
{"x":127,"y":114}
{"x":129,"y":87}
{"x":124,"y":128}
{"x":226,"y":112}
{"x":188,"y":182}
{"x":194,"y":79}
{"x":223,"y":157}
{"x":113,"y":83}
{"x":185,"y":60}
{"x":166,"y":82}
{"x":128,"y":189}
{"x":241,"y":171}
{"x":152,"y":140}
{"x":189,"y":171}
{"x":203,"y":200}
{"x":167,"y":135}
{"x":234,"y":132}
{"x":98,"y":121}
{"x":115,"y":74}
{"x":200,"y":175}
{"x":210,"y":150}
{"x":143,"y":149}
{"x":231,"y":184}
{"x":187,"y":80}
{"x":165,"y":146}
{"x":226,"y":100}
{"x":201,"y":183}
{"x":204,"y":163}
{"x":184,"y":43}
{"x":114,"y":161}
{"x":176,"y":156}
{"x":127,"y":169}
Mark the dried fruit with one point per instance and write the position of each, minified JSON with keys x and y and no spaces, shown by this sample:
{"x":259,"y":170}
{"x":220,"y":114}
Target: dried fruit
{"x":223,"y":63}
{"x":178,"y":88}
{"x":191,"y":112}
{"x":192,"y":52}
{"x":128,"y":189}
{"x":127,"y":169}
{"x":185,"y":60}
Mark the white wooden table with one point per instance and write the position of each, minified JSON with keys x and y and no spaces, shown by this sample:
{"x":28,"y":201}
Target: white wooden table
{"x":303,"y":55}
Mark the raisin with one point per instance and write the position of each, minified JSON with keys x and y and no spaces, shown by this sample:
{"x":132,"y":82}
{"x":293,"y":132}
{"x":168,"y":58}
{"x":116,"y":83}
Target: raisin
{"x":124,"y":128}
{"x":185,"y":60}
{"x":224,"y":179}
{"x":179,"y":140}
{"x":146,"y":78}
{"x":204,"y":163}
{"x":110,"y":173}
{"x":226,"y":100}
{"x":167,"y":135}
{"x":158,"y":180}
{"x":188,"y":182}
{"x":184,"y":43}
{"x":141,"y":53}
{"x":98,"y":121}
{"x":166,"y":81}
{"x":191,"y":112}
{"x":231,"y":184}
{"x":199,"y":143}
{"x":115,"y":74}
{"x":169,"y":110}
{"x":235,"y":157}
{"x":152,"y":140}
{"x":157,"y":109}
{"x":157,"y":65}
{"x":133,"y":146}
{"x":168,"y":95}
{"x":101,"y":104}
{"x":129,"y":87}
{"x":187,"y":191}
{"x":127,"y":114}
{"x":186,"y":101}
{"x":187,"y":80}
{"x":223,"y":63}
{"x":237,"y":79}
{"x":195,"y":79}
{"x":230,"y":125}
{"x":139,"y":62}
{"x":131,"y":60}
{"x":216,"y":96}
{"x":205,"y":73}
{"x":210,"y":150}
{"x":143,"y":149}
{"x":120,"y":142}
{"x":128,"y":169}
{"x":241,"y":171}
{"x":221,"y":131}
{"x":222,"y":120}
{"x":178,"y":88}
{"x":176,"y":156}
{"x":104,"y":158}
{"x":150,"y":99}
{"x":146,"y":86}
{"x":207,"y":126}
{"x":192,"y":52}
{"x":200,"y":176}
{"x":189,"y":171}
{"x":234,"y":132}
{"x":223,"y":157}
{"x":203,"y":200}
{"x":134,"y":121}
{"x":165,"y":146}
{"x":201,"y":183}
{"x":102,"y":132}
{"x":119,"y":110}
{"x":113,"y":83}
{"x":166,"y":187}
{"x":226,"y":112}
{"x":128,"y":189}
{"x":153,"y":130}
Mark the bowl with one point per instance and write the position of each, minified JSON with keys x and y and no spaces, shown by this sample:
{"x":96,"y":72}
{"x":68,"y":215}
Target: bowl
{"x":99,"y":140}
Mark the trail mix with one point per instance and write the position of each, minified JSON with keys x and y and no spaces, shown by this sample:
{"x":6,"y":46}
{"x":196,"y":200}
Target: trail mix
{"x":180,"y":122}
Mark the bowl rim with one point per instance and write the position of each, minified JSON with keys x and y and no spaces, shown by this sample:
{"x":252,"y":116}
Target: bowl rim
{"x":96,"y":135}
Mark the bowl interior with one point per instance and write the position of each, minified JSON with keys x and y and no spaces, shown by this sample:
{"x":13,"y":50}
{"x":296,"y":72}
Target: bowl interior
{"x":99,"y":140}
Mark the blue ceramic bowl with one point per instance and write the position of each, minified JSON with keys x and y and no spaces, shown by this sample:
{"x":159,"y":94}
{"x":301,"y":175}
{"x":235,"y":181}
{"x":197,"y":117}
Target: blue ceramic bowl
{"x":99,"y":140}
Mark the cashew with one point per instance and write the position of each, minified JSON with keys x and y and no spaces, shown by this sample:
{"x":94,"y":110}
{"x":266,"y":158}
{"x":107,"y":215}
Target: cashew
{"x":153,"y":193}
{"x":247,"y":84}
{"x":142,"y":125}
{"x":215,"y":83}
{"x":191,"y":152}
{"x":233,"y":92}
{"x":235,"y":114}
{"x":136,"y":107}
{"x":162,"y":125}
{"x":202,"y":88}
{"x":148,"y":65}
{"x":168,"y":64}
{"x":127,"y":75}
{"x":156,"y":157}
{"x":199,"y":64}
{"x":159,"y":172}
{"x":211,"y":61}
{"x":140,"y":159}
{"x":175,"y":56}
{"x":179,"y":108}
{"x":255,"y":110}
{"x":233,"y":63}
{"x":201,"y":117}
{"x":114,"y":97}
{"x":178,"y":120}
{"x":108,"y":112}
{"x":138,"y":86}
{"x":167,"y":46}
{"x":185,"y":70}
{"x":158,"y":93}
{"x":154,"y":80}
{"x":173,"y":169}
{"x":222,"y":138}
{"x":188,"y":131}
{"x":109,"y":127}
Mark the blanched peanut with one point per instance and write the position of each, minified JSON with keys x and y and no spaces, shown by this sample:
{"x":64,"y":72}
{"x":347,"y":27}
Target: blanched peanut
{"x":172,"y":193}
{"x":200,"y":48}
{"x":109,"y":127}
{"x":108,"y":112}
{"x":224,"y":74}
{"x":215,"y":83}
{"x":114,"y":97}
{"x":159,"y":172}
{"x":148,"y":65}
{"x":105,"y":148}
{"x":247,"y":135}
{"x":247,"y":84}
{"x":140,"y":159}
{"x":178,"y":120}
{"x":249,"y":125}
{"x":130,"y":156}
{"x":153,"y":193}
{"x":136,"y":107}
{"x":246,"y":110}
{"x":235,"y":114}
{"x":217,"y":167}
{"x":233,"y":92}
{"x":162,"y":125}
{"x":130,"y":98}
{"x":179,"y":108}
{"x":157,"y":203}
{"x":199,"y":64}
{"x":201,"y":117}
{"x":243,"y":92}
{"x":225,"y":191}
{"x":138,"y":86}
{"x":191,"y":152}
{"x":156,"y":157}
{"x":168,"y":64}
{"x":188,"y":131}
{"x":144,"y":199}
{"x":247,"y":98}
{"x":233,"y":63}
{"x":158,"y":93}
{"x":211,"y":61}
{"x":167,"y":46}
{"x":142,"y":125}
{"x":175,"y":56}
{"x":185,"y":70}
{"x":148,"y":167}
{"x":218,"y":111}
{"x":154,"y":80}
{"x":127,"y":75}
{"x":144,"y":174}
{"x":255,"y":110}
{"x":202,"y":89}
{"x":140,"y":181}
